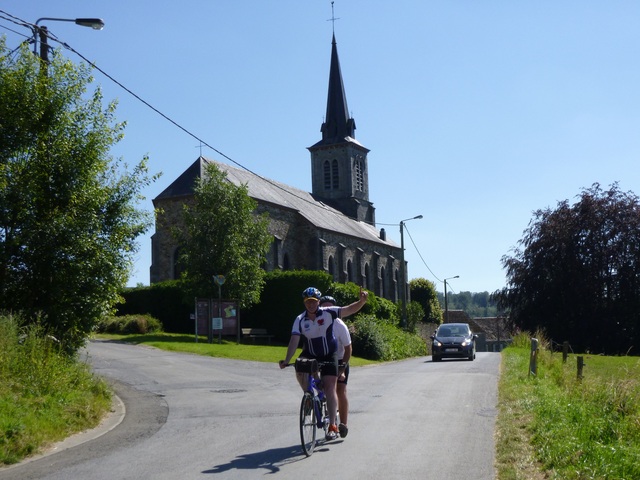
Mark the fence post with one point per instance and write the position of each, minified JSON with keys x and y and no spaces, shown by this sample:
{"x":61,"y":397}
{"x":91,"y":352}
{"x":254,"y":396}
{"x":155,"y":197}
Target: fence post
{"x":580,"y":366}
{"x":565,"y":351}
{"x":533,"y":360}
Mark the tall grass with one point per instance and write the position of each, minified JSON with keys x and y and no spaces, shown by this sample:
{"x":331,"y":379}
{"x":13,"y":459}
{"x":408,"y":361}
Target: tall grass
{"x":563,"y":426}
{"x":45,"y":396}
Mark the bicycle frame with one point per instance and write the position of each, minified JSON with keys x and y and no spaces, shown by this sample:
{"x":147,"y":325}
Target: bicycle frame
{"x":314,"y":412}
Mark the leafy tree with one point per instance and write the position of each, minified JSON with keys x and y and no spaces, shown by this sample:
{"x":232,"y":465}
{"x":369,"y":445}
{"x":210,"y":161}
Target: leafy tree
{"x":68,"y":216}
{"x":224,"y":236}
{"x":424,"y":292}
{"x":576,"y":273}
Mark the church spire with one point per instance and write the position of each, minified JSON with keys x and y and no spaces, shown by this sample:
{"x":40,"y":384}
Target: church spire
{"x":337,"y":125}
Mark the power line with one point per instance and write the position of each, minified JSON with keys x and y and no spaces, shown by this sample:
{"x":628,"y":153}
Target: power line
{"x":53,"y":37}
{"x":420,"y":255}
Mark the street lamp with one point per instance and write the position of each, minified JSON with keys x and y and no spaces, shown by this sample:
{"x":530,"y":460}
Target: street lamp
{"x":95,"y":23}
{"x":446,"y":306}
{"x":403,"y":269}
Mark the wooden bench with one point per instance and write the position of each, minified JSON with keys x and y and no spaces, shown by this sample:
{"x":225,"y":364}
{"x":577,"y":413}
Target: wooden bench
{"x":254,"y":333}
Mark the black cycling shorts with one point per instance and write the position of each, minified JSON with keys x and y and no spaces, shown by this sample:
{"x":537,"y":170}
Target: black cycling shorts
{"x":328,"y":364}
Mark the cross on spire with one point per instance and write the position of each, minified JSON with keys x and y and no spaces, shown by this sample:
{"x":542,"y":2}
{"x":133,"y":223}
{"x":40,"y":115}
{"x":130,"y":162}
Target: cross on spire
{"x":333,"y":19}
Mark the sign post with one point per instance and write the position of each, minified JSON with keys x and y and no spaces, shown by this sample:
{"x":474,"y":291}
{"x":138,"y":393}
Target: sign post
{"x":219,"y":280}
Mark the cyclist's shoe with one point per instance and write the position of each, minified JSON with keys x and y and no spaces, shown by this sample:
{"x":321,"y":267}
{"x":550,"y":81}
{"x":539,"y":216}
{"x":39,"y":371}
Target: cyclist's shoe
{"x":332,"y":432}
{"x":342,"y":428}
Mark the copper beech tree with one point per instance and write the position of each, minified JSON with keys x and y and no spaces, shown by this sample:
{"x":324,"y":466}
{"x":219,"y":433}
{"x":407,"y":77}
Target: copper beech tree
{"x":576,"y":273}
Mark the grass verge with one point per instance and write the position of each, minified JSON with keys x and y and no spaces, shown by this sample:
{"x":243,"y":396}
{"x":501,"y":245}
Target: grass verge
{"x":555,"y":425}
{"x":45,"y":396}
{"x":175,"y":342}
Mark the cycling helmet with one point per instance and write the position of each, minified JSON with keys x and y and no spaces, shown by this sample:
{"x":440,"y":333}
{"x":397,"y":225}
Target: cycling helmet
{"x":328,"y":298}
{"x":311,"y":292}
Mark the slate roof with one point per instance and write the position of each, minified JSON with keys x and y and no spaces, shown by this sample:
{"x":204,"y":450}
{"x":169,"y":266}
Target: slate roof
{"x":265,"y":190}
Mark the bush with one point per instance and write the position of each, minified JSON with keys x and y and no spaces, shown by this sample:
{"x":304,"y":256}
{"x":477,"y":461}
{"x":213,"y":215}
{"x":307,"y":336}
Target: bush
{"x":378,"y":340}
{"x":129,"y":324}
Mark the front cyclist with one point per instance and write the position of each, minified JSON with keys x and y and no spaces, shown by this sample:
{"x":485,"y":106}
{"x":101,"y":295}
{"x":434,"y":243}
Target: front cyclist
{"x":315,"y":326}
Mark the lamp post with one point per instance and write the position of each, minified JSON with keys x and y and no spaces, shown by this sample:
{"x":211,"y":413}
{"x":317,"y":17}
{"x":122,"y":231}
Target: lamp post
{"x":403,"y":269}
{"x":95,"y":23}
{"x":446,"y":306}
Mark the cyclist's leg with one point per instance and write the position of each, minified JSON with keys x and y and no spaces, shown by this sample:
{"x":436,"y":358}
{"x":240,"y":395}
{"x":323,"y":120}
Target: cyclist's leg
{"x":343,"y":400}
{"x":329,"y":381}
{"x":303,"y":377}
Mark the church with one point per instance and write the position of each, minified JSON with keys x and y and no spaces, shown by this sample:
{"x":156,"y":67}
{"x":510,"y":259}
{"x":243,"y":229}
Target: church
{"x":331,"y":229}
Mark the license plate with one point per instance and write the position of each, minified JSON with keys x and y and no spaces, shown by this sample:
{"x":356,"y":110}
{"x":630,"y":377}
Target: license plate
{"x":451,"y":350}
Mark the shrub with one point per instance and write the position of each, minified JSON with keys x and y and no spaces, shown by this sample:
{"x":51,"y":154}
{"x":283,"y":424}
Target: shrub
{"x":128,"y":324}
{"x":378,"y":340}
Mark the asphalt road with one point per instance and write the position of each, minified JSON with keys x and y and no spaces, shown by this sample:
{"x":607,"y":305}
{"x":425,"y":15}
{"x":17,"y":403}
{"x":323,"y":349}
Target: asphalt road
{"x":194,"y":417}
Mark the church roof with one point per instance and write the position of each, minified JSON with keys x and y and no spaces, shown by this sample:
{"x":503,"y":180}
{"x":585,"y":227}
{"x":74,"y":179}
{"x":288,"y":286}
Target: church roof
{"x":262,"y":189}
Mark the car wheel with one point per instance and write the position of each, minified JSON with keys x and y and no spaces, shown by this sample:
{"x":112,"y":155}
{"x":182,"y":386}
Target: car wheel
{"x":435,"y":358}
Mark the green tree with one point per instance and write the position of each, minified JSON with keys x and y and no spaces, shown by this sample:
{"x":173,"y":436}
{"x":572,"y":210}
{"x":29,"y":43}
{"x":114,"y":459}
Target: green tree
{"x":424,"y":292}
{"x":576,"y":273}
{"x":68,"y":216}
{"x":224,"y":236}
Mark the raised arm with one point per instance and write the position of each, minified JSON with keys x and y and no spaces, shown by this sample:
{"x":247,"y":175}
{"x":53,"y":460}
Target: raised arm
{"x":355,"y":306}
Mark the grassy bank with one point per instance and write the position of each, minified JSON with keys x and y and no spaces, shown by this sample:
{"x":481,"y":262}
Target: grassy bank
{"x":569,"y":428}
{"x":45,"y":396}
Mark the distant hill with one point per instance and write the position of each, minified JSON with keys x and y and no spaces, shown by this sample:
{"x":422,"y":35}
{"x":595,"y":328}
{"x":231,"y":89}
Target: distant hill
{"x":473,"y":304}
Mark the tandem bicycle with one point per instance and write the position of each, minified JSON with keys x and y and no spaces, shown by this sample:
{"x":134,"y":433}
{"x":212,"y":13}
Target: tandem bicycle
{"x":314,"y":411}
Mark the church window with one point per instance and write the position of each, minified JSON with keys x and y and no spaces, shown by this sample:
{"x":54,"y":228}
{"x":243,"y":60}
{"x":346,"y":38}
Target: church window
{"x":349,"y":271}
{"x":327,"y":175}
{"x":285,"y":262}
{"x":359,"y":174}
{"x":335,"y":175}
{"x":332,"y":267}
{"x":381,"y":291}
{"x":367,"y":277}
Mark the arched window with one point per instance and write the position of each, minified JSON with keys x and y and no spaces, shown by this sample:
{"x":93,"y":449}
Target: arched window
{"x":382,"y":279}
{"x":332,"y":268}
{"x":335,"y":175}
{"x":367,"y":277}
{"x":327,"y":175}
{"x":349,"y":271}
{"x":359,"y":174}
{"x":285,"y":262}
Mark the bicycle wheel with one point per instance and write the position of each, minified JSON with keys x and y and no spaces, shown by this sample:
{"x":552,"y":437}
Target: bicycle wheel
{"x":307,"y":424}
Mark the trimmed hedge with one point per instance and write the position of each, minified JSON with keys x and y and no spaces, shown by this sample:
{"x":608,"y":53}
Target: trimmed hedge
{"x":165,"y":301}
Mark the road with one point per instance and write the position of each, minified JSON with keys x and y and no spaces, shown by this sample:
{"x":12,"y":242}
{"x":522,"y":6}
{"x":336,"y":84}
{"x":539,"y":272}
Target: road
{"x":195,"y":417}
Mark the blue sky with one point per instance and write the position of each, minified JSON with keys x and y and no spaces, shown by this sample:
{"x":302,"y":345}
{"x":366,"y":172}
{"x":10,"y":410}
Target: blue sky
{"x":477,"y":113}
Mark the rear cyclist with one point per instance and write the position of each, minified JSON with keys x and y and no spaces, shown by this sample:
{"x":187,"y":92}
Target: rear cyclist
{"x":316,"y":327}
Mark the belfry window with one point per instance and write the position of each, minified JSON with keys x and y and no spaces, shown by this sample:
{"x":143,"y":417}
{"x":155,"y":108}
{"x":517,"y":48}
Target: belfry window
{"x":358,"y":168}
{"x":335,"y":175}
{"x":327,"y":175}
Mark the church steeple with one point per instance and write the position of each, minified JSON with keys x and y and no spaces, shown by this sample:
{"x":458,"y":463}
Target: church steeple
{"x":337,"y":125}
{"x":339,"y":170}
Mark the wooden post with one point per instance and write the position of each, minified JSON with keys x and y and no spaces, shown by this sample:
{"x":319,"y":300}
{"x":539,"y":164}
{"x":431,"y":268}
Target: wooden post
{"x":580,"y":366}
{"x":533,"y":360}
{"x":565,"y":351}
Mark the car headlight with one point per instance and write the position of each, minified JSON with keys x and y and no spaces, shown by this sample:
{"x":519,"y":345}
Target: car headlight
{"x":436,"y":343}
{"x":466,"y":342}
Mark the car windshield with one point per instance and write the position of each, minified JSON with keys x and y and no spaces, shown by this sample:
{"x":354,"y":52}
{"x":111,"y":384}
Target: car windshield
{"x":453,"y":331}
